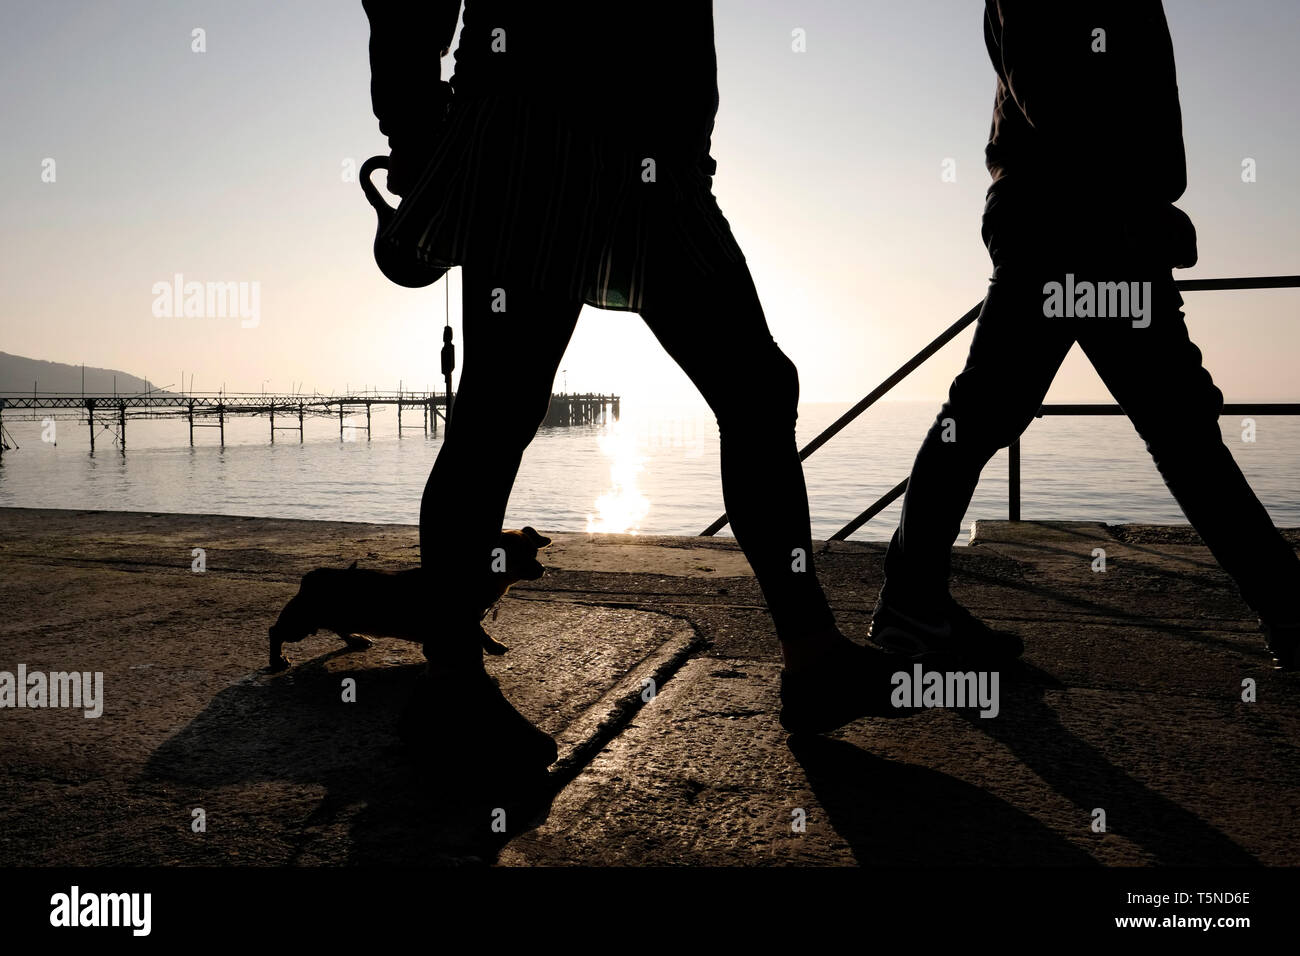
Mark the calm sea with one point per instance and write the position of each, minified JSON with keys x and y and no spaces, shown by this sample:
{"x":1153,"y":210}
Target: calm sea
{"x":654,"y":472}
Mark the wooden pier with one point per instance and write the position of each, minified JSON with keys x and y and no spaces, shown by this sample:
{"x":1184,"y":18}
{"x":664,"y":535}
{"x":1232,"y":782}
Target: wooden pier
{"x":106,"y":412}
{"x":588,"y":409}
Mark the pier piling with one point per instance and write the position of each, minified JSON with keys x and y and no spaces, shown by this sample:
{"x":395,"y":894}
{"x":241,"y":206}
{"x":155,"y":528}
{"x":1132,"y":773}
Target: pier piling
{"x":209,"y":410}
{"x":1013,"y":481}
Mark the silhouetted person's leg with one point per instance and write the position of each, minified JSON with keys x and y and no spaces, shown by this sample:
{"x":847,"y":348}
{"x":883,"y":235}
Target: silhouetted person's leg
{"x":1156,"y":376}
{"x":509,"y":365}
{"x":716,"y":331}
{"x":1013,"y":357}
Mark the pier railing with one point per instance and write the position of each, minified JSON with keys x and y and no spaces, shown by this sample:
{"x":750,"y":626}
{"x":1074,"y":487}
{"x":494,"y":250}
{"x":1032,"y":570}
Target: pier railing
{"x":1013,"y":453}
{"x":211,"y":409}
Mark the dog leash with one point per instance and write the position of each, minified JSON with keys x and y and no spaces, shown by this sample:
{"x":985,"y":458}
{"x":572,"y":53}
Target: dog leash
{"x":448,"y":347}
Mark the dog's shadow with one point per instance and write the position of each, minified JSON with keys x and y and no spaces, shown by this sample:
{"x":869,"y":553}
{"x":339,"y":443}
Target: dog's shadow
{"x":388,"y":794}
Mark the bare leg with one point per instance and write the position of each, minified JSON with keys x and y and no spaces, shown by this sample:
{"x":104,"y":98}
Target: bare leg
{"x":716,"y":331}
{"x":510,"y":359}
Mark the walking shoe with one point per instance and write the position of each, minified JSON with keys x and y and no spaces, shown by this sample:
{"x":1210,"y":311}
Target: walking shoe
{"x":1282,"y":643}
{"x":853,"y":682}
{"x":461,"y":715}
{"x":947,"y":629}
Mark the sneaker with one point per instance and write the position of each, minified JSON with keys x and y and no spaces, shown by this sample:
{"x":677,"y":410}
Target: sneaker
{"x":854,"y":682}
{"x":1282,"y":643}
{"x":948,"y":630}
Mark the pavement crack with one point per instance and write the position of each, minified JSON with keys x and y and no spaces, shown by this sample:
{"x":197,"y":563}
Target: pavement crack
{"x":621,"y":716}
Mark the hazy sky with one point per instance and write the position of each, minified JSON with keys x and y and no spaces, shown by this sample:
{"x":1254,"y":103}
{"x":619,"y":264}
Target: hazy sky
{"x":228,"y":165}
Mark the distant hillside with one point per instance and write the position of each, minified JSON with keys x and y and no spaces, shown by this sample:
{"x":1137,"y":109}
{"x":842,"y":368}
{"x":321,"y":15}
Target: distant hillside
{"x":17,"y":374}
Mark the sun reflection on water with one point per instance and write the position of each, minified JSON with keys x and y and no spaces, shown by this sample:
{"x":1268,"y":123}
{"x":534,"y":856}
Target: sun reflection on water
{"x":621,"y":509}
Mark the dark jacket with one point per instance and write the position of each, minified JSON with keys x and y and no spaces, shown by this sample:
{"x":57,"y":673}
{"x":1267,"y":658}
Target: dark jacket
{"x":644,"y":75}
{"x":1088,"y":123}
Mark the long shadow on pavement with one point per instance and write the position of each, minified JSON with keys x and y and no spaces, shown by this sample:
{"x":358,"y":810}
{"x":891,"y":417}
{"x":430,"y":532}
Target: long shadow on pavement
{"x":399,"y":803}
{"x":1031,"y":729}
{"x":896,"y":814}
{"x":900,"y":814}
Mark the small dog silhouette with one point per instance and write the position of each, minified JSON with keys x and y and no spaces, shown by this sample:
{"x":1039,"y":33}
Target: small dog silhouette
{"x":354,"y":602}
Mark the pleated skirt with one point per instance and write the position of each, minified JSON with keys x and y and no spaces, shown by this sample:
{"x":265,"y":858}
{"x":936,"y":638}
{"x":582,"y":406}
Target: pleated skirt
{"x":523,"y":193}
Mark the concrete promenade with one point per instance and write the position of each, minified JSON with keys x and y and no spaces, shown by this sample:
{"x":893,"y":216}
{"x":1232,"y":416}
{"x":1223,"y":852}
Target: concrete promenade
{"x":1129,"y":700}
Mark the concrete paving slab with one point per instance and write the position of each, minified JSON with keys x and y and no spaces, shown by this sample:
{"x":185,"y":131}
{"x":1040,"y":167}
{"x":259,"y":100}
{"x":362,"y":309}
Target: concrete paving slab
{"x":657,"y":554}
{"x":705,"y":776}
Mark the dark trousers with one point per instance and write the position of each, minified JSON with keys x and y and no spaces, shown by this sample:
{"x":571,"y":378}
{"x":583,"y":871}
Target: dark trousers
{"x":716,"y":331}
{"x":1155,"y":375}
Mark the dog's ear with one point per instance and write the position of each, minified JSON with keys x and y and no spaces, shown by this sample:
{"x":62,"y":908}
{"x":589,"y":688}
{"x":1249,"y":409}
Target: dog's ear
{"x":538,"y":540}
{"x":352,"y":566}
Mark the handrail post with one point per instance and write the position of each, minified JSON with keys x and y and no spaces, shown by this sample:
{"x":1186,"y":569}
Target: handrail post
{"x":1013,"y":481}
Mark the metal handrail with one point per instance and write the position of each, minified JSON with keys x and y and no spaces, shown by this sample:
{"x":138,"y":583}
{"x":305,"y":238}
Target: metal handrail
{"x":948,"y":334}
{"x":906,"y":369}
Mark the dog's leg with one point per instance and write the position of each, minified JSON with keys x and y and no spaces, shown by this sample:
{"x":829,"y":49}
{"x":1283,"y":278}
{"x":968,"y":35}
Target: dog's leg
{"x":357,"y":642}
{"x":490,"y":644}
{"x":278,"y":661}
{"x":295,"y":622}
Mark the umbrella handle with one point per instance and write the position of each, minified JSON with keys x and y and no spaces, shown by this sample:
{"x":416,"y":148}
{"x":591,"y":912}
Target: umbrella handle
{"x":398,"y":264}
{"x":373,"y":195}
